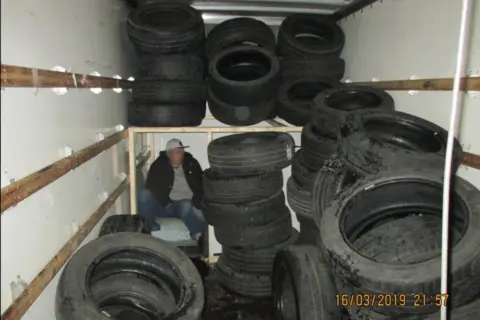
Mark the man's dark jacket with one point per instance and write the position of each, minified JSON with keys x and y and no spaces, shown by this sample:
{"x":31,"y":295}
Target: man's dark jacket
{"x":160,"y":178}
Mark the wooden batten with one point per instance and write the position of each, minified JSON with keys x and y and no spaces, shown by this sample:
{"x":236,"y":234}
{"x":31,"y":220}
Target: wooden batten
{"x":25,"y":187}
{"x":17,"y":76}
{"x":440,"y":84}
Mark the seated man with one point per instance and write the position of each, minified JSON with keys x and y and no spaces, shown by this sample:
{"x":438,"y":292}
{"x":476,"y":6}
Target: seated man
{"x":174,"y":190}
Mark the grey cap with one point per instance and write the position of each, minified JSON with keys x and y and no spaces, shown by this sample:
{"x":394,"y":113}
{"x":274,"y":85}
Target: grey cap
{"x":174,"y":144}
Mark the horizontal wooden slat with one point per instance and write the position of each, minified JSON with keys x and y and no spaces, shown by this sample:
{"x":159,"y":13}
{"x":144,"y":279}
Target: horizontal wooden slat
{"x":471,"y":160}
{"x":25,"y":187}
{"x":445,"y":84}
{"x":18,"y":308}
{"x":17,"y":76}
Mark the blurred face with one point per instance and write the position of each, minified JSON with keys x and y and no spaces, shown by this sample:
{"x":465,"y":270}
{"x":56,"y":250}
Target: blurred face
{"x":176,"y":156}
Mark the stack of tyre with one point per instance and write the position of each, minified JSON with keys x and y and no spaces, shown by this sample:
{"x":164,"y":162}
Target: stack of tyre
{"x":309,"y":46}
{"x":170,"y":89}
{"x":243,"y":72}
{"x":245,"y":204}
{"x":319,"y":147}
{"x":378,"y":207}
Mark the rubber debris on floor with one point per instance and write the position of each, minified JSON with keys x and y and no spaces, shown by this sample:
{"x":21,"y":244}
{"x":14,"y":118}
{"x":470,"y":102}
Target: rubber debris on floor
{"x":224,"y":305}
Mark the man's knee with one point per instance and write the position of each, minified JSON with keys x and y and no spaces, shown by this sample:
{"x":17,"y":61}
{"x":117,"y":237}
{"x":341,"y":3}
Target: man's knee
{"x":145,"y":196}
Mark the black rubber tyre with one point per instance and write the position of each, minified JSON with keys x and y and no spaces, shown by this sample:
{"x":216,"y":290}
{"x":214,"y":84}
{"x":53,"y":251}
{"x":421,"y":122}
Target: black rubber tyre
{"x":258,"y":261}
{"x":308,"y":230}
{"x":236,"y":190}
{"x":173,"y":67}
{"x":317,"y":147}
{"x":256,"y":213}
{"x":166,"y":28}
{"x":73,"y":298}
{"x":295,"y":98}
{"x":332,"y":68}
{"x":302,"y":285}
{"x":407,"y":240}
{"x":309,"y":35}
{"x":246,"y":115}
{"x":244,"y":284}
{"x":395,"y":193}
{"x":299,"y":199}
{"x":330,"y":107}
{"x":119,"y":294}
{"x":239,"y":31}
{"x":153,"y":90}
{"x":256,"y":237}
{"x":251,"y":153}
{"x":330,"y":180}
{"x":123,"y":223}
{"x":165,"y":115}
{"x":371,"y":141}
{"x":244,"y":75}
{"x":301,"y":173}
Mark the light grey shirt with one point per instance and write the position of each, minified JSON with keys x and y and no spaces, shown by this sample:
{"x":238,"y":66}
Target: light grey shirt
{"x":180,"y":189}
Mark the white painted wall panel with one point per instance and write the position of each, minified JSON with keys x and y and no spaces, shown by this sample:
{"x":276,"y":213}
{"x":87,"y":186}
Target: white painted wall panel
{"x":394,"y":40}
{"x":84,"y":36}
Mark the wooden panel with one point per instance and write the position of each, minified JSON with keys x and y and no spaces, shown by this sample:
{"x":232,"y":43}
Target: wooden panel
{"x":446,"y":84}
{"x":18,"y":308}
{"x":16,"y":76}
{"x":20,"y":190}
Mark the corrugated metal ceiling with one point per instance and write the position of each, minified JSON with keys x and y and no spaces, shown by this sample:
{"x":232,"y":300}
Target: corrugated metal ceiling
{"x":271,"y":11}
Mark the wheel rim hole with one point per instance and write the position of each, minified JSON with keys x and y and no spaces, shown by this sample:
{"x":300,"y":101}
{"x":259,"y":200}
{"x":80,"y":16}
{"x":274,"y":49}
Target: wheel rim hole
{"x":404,"y":135}
{"x":351,"y":100}
{"x":314,"y":35}
{"x":244,"y":66}
{"x":390,"y":202}
{"x":134,"y":268}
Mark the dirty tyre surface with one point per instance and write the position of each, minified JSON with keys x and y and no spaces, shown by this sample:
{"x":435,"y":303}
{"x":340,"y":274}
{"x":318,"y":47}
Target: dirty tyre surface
{"x":235,"y":190}
{"x":295,"y":98}
{"x":332,"y":68}
{"x":256,"y":237}
{"x":245,"y":115}
{"x":394,"y":192}
{"x":124,"y":223}
{"x":302,"y":285}
{"x":302,"y":35}
{"x":250,"y":153}
{"x":239,"y":31}
{"x":165,"y":115}
{"x":244,"y":75}
{"x":331,"y":106}
{"x":317,"y":147}
{"x":153,"y":90}
{"x":299,"y":199}
{"x":301,"y":173}
{"x":256,"y":213}
{"x":73,"y":300}
{"x":257,"y":261}
{"x":329,"y":181}
{"x":182,"y":29}
{"x":173,"y":67}
{"x":371,"y":141}
{"x":241,"y":283}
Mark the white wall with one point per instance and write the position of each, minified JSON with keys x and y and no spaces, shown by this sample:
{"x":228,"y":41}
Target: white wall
{"x":394,"y":40}
{"x":84,"y":36}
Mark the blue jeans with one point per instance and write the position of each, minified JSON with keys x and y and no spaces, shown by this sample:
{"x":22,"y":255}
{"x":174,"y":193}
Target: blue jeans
{"x":150,"y":209}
